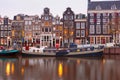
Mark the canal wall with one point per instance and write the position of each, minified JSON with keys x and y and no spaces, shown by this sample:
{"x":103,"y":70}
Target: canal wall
{"x":112,"y":51}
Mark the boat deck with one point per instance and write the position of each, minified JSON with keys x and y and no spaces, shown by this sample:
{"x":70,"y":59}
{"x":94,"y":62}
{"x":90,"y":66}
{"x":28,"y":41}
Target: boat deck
{"x":82,"y":53}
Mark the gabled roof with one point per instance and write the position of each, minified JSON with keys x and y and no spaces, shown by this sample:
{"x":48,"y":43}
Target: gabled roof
{"x":68,"y":10}
{"x":104,"y":5}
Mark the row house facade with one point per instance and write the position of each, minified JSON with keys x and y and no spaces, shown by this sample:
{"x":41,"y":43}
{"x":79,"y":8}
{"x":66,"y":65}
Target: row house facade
{"x":102,"y":17}
{"x":46,"y":38}
{"x":5,"y":31}
{"x":68,"y":27}
{"x":17,"y":29}
{"x":81,"y":30}
{"x":57,"y":32}
{"x":32,"y":30}
{"x":36,"y":30}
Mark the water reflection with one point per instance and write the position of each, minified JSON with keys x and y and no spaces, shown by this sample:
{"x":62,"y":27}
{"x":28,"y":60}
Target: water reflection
{"x":8,"y":69}
{"x":60,"y":68}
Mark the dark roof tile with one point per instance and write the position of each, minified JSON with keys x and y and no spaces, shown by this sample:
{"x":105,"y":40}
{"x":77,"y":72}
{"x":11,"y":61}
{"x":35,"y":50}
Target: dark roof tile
{"x":105,"y":5}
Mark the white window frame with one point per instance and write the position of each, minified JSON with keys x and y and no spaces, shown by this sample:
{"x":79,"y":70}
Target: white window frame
{"x":92,"y":29}
{"x":105,"y":31}
{"x":82,"y":33}
{"x":77,"y":32}
{"x":82,"y":25}
{"x":98,"y":29}
{"x":77,"y":25}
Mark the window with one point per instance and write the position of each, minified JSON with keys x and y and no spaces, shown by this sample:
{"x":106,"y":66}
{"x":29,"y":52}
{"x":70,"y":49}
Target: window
{"x":113,"y":7}
{"x":91,"y":14}
{"x":92,"y":29}
{"x":98,"y":40}
{"x":5,"y":33}
{"x":66,"y":41}
{"x":2,"y":33}
{"x":46,"y":18}
{"x":92,"y":40}
{"x":98,"y":21}
{"x":77,"y":33}
{"x":5,"y":27}
{"x":42,"y":29}
{"x":26,"y":22}
{"x":46,"y":29}
{"x":71,"y":40}
{"x":91,"y":20}
{"x":98,"y":7}
{"x":98,"y":15}
{"x":65,"y":17}
{"x":30,"y":22}
{"x":83,"y":25}
{"x":82,"y":33}
{"x":77,"y":25}
{"x":9,"y":27}
{"x":105,"y":31}
{"x":2,"y":28}
{"x":50,"y":30}
{"x":98,"y":29}
{"x":105,"y":20}
{"x":71,"y":17}
{"x":105,"y":14}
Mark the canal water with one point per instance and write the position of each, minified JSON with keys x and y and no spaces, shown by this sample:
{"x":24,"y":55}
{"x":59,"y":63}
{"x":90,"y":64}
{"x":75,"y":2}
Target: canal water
{"x":52,"y":68}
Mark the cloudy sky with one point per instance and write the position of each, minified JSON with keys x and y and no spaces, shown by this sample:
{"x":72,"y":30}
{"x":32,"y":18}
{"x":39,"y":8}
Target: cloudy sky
{"x":35,"y":7}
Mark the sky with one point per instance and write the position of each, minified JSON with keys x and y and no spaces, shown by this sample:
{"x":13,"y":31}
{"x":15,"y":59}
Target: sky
{"x":35,"y":7}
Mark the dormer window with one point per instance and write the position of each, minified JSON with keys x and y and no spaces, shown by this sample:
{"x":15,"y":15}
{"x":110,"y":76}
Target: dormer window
{"x":113,"y":7}
{"x":98,"y":7}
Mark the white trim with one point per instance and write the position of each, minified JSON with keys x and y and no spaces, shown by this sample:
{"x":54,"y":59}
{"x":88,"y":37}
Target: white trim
{"x":76,"y":20}
{"x":102,"y":11}
{"x":100,"y":35}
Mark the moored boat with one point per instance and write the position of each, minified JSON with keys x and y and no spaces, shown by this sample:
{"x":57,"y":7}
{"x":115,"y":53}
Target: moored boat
{"x":8,"y":52}
{"x":63,"y":52}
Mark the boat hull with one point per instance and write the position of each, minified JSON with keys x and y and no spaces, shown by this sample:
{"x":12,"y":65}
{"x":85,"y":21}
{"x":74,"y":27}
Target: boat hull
{"x":98,"y":53}
{"x":11,"y":53}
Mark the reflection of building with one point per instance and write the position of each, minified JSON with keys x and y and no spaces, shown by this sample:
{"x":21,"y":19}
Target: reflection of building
{"x":68,"y":27}
{"x":18,"y":29}
{"x":99,"y":14}
{"x":81,"y":29}
{"x":46,"y":38}
{"x":5,"y":31}
{"x":58,"y":32}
